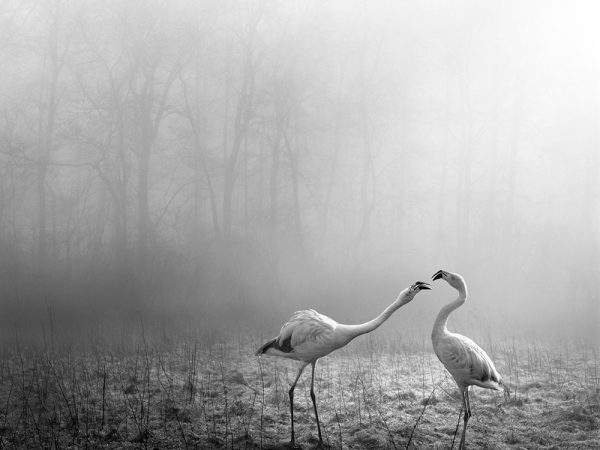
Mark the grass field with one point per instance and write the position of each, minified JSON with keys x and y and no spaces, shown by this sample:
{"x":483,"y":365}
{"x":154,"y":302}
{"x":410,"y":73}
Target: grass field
{"x":379,"y":392}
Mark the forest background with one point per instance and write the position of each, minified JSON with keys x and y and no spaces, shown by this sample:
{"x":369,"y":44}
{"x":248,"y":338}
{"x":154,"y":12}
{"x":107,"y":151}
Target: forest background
{"x":218,"y":165}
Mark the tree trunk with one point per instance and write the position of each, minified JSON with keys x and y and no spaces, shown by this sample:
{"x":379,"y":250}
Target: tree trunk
{"x":240,"y":128}
{"x":509,"y":227}
{"x":295,"y":177}
{"x":48,"y":108}
{"x":144,"y":152}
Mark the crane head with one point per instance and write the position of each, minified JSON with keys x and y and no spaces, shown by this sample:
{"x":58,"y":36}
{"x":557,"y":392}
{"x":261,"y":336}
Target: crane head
{"x":408,"y":294}
{"x":453,"y":279}
{"x":439,"y":274}
{"x":419,"y":286}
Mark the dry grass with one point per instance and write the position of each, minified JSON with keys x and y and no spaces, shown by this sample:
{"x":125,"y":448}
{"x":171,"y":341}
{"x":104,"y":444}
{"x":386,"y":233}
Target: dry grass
{"x":190,"y":393}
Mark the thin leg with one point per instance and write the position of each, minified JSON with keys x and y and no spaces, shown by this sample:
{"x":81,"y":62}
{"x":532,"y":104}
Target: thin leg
{"x":468,"y":402}
{"x":314,"y":400}
{"x":291,"y":392}
{"x":467,"y":415}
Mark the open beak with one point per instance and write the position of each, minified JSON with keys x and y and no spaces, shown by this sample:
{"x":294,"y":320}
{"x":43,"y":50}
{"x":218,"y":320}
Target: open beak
{"x":437,"y":275}
{"x":422,"y":285}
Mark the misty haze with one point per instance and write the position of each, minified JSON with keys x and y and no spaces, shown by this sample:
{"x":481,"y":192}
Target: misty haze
{"x":177,"y":178}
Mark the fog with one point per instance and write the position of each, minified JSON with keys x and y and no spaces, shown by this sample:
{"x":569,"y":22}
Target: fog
{"x":219,"y":165}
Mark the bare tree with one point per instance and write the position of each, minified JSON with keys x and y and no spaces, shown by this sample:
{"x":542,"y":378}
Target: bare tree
{"x":155,"y":63}
{"x":242,"y":114}
{"x":194,"y":111}
{"x":52,"y":63}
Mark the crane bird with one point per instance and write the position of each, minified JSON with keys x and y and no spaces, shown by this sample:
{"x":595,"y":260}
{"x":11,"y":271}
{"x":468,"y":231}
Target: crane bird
{"x":308,"y":336}
{"x":466,"y":361}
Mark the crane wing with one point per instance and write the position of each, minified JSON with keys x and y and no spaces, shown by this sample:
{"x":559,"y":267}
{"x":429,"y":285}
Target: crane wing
{"x":304,"y":326}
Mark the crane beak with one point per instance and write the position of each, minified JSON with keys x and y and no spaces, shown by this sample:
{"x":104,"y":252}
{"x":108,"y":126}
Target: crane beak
{"x":439,"y":274}
{"x":422,"y":285}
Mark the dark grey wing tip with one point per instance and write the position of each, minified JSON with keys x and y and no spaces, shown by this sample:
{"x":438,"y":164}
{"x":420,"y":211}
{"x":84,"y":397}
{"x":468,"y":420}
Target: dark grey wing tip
{"x":285,"y":346}
{"x":265,"y":346}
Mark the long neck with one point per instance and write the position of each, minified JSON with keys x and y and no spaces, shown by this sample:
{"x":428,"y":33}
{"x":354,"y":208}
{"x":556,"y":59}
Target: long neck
{"x":352,"y":331}
{"x":441,"y":321}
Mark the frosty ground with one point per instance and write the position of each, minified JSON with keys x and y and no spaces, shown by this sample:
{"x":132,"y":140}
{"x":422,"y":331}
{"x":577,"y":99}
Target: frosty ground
{"x":197,"y":392}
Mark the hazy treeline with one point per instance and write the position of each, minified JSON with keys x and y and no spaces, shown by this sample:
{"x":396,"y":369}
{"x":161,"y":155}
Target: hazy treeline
{"x":241,"y":157}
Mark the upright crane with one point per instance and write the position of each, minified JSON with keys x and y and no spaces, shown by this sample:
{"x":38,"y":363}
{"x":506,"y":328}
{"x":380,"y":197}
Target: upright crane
{"x":466,"y":361}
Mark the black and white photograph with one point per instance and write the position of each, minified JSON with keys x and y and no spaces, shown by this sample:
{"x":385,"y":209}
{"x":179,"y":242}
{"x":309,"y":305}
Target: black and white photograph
{"x":300,"y":224}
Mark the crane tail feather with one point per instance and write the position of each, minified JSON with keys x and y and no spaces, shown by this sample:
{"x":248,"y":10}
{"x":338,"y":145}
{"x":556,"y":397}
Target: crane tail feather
{"x":263,"y":348}
{"x":278,"y":348}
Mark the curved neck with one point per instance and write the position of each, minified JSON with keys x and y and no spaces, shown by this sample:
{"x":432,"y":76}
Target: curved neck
{"x":352,"y":331}
{"x":442,"y":318}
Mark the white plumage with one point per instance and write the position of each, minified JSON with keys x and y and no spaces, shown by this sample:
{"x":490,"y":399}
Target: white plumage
{"x":308,"y":336}
{"x":466,"y":361}
{"x":311,"y":335}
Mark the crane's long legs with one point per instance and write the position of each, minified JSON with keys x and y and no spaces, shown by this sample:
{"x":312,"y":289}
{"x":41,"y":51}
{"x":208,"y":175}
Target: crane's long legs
{"x":467,"y":409}
{"x":468,"y":401}
{"x":291,"y":392}
{"x":314,"y":400}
